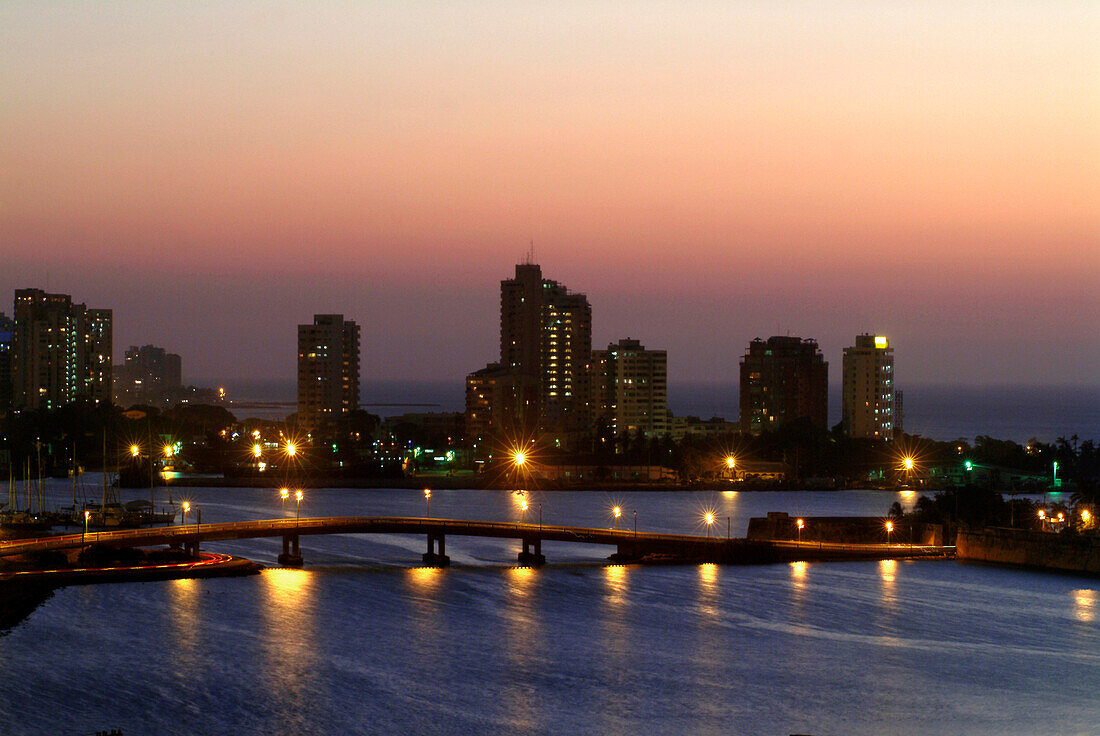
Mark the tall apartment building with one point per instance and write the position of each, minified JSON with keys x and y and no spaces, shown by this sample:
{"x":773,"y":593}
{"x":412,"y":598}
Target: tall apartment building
{"x":484,"y":399}
{"x":328,"y":369}
{"x":782,"y":379}
{"x":61,"y":351}
{"x":545,"y":344}
{"x":148,"y":375}
{"x":867,"y":400}
{"x":629,"y":388}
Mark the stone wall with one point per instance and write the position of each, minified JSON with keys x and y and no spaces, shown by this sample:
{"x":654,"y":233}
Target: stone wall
{"x":1051,"y":550}
{"x":843,"y":529}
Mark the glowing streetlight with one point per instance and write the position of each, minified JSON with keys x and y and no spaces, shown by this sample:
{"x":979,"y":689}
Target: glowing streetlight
{"x":799,"y":523}
{"x":519,"y":458}
{"x":908,"y":462}
{"x":709,"y":519}
{"x":523,"y":511}
{"x":731,"y":462}
{"x":284,"y":493}
{"x":428,"y":502}
{"x":298,"y":515}
{"x":185,"y":508}
{"x":87,"y":515}
{"x":1085,"y":516}
{"x":617,"y":512}
{"x":134,"y":450}
{"x":889,"y":530}
{"x":257,"y":450}
{"x":169,"y":450}
{"x":291,"y":449}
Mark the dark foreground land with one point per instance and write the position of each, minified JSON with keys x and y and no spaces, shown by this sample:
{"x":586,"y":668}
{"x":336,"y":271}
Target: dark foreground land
{"x":28,"y":581}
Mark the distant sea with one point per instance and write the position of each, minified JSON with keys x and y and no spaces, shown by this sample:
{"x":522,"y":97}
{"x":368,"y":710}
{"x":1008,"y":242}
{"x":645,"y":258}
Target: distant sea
{"x":938,"y":412}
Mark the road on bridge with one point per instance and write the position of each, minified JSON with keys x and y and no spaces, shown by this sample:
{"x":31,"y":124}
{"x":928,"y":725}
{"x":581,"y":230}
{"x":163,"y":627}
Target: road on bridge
{"x":629,"y":544}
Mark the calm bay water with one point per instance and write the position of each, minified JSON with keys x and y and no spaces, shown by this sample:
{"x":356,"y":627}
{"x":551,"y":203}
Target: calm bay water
{"x":363,"y":640}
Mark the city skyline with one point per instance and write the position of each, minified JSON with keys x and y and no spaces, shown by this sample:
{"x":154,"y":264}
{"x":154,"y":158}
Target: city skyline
{"x":706,"y":176}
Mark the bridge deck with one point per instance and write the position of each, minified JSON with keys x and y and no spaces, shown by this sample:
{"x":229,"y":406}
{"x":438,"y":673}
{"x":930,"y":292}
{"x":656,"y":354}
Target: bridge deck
{"x":720,"y":548}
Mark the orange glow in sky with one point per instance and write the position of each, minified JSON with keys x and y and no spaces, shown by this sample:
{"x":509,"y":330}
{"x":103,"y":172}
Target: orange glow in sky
{"x":706,"y":172}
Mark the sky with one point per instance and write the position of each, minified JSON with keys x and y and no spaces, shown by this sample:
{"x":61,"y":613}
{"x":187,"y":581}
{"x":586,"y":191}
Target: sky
{"x":706,"y":172}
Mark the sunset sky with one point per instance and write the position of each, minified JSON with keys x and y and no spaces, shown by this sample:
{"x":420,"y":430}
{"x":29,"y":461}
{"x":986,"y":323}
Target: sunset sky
{"x":705,"y":172}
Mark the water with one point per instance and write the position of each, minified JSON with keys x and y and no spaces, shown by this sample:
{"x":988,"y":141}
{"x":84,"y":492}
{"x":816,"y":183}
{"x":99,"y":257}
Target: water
{"x":364,"y":641}
{"x":1017,"y":413}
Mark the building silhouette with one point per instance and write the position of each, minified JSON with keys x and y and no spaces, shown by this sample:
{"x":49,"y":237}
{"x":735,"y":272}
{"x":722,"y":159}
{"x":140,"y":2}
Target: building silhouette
{"x":629,"y":389}
{"x":868,"y":406}
{"x":61,"y":351}
{"x":148,"y":375}
{"x":7,"y":339}
{"x":783,"y":379}
{"x":328,"y":369}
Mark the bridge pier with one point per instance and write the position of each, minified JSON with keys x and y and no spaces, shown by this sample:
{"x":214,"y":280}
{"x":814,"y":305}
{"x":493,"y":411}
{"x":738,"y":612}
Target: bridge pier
{"x":436,"y":556}
{"x":532,"y":555}
{"x":191,"y":548}
{"x":292,"y":553}
{"x":625,"y":553}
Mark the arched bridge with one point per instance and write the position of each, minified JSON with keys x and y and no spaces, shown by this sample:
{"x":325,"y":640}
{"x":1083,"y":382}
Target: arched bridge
{"x":630,"y":545}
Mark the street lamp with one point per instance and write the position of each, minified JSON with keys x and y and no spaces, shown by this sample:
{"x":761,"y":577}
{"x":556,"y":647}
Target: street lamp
{"x":1042,"y":520}
{"x":889,"y":530}
{"x":134,"y":450}
{"x":185,"y":508}
{"x":523,"y":511}
{"x":800,"y":523}
{"x":428,"y":502}
{"x":284,"y":493}
{"x":709,"y":519}
{"x":298,"y":515}
{"x":617,"y":512}
{"x":291,"y":449}
{"x":87,"y":514}
{"x":635,"y":525}
{"x":257,"y":450}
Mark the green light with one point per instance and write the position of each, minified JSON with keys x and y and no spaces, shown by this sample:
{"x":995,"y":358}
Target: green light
{"x":969,"y":465}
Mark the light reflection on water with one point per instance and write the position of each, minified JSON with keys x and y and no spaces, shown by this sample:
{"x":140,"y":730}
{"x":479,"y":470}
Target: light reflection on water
{"x":523,"y":648}
{"x":184,"y":622}
{"x":363,"y":640}
{"x":288,"y":618}
{"x":1084,"y":609}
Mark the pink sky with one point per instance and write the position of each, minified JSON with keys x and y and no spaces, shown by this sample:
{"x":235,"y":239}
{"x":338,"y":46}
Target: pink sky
{"x":706,"y":172}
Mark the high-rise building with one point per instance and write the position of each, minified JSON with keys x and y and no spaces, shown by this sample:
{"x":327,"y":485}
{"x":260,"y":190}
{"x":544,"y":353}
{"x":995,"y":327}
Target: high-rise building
{"x":7,"y":339}
{"x":867,"y":401}
{"x":62,"y":351}
{"x":545,"y":345}
{"x":629,"y":388}
{"x":148,"y":375}
{"x":328,"y":369}
{"x":783,"y":379}
{"x":484,"y":401}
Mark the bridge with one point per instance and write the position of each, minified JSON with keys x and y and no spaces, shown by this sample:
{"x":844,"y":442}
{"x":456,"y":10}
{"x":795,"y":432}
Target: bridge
{"x":630,"y":546}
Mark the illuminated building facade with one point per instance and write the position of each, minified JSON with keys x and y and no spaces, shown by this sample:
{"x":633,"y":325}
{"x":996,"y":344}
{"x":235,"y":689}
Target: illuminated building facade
{"x":545,"y":345}
{"x":783,"y":379}
{"x":328,"y":369}
{"x":629,"y":388}
{"x":867,"y":400}
{"x":60,"y":351}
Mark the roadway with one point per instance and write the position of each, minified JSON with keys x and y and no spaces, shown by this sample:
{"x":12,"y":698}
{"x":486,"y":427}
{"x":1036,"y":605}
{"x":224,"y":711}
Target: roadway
{"x":628,"y":543}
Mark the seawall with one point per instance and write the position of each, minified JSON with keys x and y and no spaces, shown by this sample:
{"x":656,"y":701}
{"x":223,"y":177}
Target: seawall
{"x":1020,"y":547}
